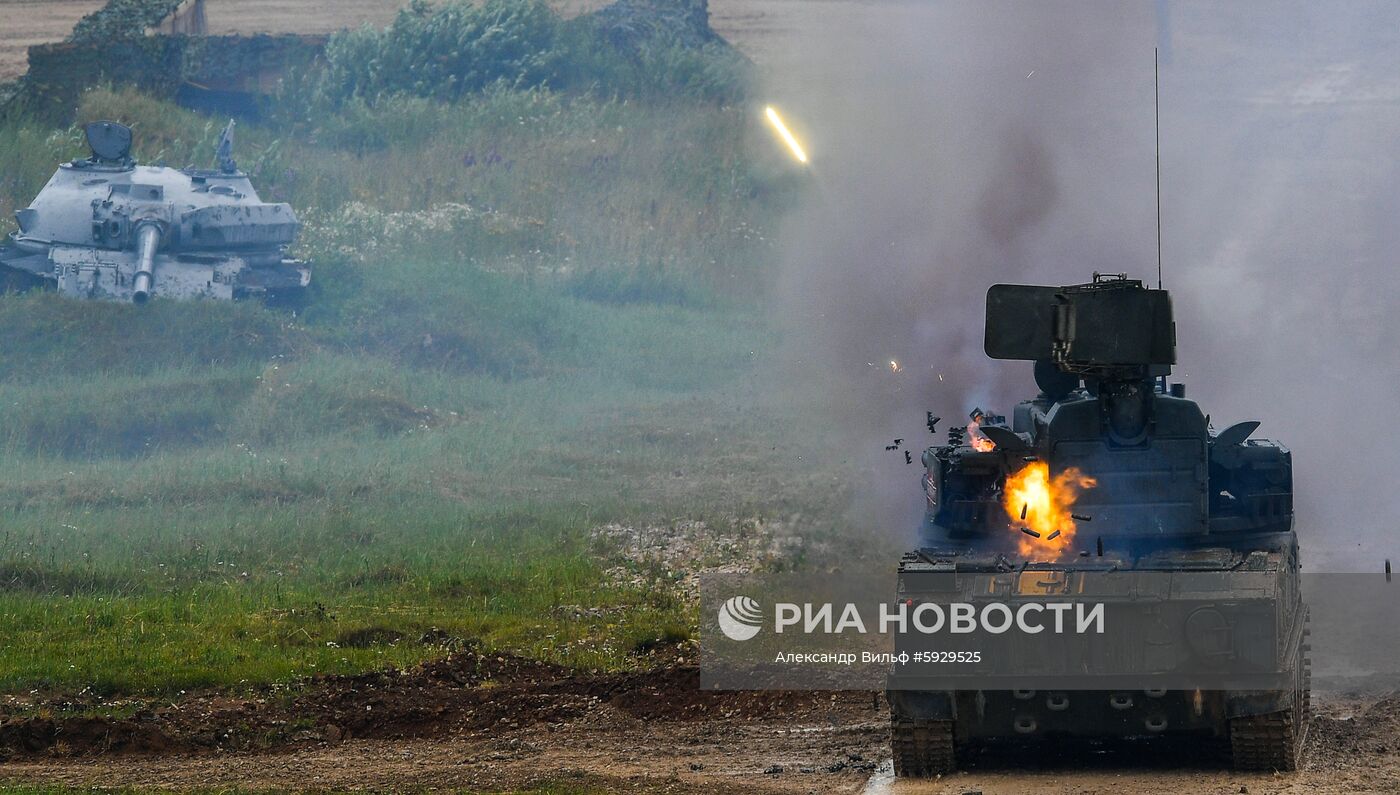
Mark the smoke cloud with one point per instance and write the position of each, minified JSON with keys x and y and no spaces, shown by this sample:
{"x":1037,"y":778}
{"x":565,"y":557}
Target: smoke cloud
{"x":960,"y":144}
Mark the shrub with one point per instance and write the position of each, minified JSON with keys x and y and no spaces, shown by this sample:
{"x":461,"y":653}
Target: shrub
{"x":444,"y":52}
{"x":660,"y":57}
{"x":652,"y":49}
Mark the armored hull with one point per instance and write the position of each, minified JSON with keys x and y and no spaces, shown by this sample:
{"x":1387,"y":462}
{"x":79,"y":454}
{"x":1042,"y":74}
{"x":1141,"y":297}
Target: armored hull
{"x":1186,"y":609}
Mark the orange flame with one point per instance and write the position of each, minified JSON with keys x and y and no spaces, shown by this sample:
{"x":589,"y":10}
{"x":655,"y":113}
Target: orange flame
{"x":977,"y":439}
{"x":1041,"y":504}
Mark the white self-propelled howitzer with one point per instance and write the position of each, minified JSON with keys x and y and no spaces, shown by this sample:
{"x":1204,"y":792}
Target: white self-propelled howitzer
{"x":107,"y":228}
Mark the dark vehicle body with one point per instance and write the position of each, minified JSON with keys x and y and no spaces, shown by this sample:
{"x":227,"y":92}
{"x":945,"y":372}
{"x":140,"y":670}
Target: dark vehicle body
{"x":1188,"y":533}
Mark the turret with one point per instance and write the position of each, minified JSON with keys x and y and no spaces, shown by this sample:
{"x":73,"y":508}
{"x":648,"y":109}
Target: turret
{"x":1106,"y":450}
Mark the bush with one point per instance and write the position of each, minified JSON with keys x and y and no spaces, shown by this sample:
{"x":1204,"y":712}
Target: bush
{"x":660,"y":58}
{"x":447,"y":52}
{"x":444,"y":52}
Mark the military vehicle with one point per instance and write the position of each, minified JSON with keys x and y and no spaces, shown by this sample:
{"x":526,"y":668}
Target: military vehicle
{"x":1157,"y":514}
{"x":107,"y":228}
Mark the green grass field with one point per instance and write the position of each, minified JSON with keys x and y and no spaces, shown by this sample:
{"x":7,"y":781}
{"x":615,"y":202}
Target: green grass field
{"x":536,"y":313}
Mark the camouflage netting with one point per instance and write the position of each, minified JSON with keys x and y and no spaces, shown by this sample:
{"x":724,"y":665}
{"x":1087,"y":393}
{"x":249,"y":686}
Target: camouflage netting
{"x":121,"y":19}
{"x":59,"y":73}
{"x":228,"y":60}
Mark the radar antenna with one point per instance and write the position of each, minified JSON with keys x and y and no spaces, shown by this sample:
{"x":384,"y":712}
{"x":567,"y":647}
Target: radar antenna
{"x":1157,"y":124}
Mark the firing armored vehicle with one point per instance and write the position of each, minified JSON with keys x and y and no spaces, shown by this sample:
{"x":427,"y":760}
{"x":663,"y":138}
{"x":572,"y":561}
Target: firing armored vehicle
{"x":107,"y":228}
{"x":1109,"y":487}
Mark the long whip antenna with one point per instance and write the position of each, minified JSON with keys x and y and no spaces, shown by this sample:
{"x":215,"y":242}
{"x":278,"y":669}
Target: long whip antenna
{"x":1157,"y":122}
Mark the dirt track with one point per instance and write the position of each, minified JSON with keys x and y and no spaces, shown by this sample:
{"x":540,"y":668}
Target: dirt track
{"x":494,"y":722}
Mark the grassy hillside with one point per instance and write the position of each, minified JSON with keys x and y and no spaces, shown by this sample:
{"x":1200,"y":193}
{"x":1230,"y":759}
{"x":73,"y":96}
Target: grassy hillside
{"x":536,"y":313}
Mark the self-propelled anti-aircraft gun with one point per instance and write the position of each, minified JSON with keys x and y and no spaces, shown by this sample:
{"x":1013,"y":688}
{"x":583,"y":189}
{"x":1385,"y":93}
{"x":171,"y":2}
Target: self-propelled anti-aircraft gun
{"x":1109,"y":487}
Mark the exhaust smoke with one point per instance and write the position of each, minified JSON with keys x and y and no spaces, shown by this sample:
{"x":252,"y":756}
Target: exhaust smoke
{"x":970,"y":143}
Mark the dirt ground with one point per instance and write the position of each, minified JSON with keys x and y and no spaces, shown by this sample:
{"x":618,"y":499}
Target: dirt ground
{"x":492,"y":722}
{"x":24,"y":23}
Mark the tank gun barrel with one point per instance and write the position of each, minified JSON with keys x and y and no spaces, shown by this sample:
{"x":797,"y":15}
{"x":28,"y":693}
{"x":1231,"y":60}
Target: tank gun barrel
{"x":148,"y":238}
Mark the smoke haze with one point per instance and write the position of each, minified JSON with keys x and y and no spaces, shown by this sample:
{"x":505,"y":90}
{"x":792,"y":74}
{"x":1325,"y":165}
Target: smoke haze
{"x":960,"y":144}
